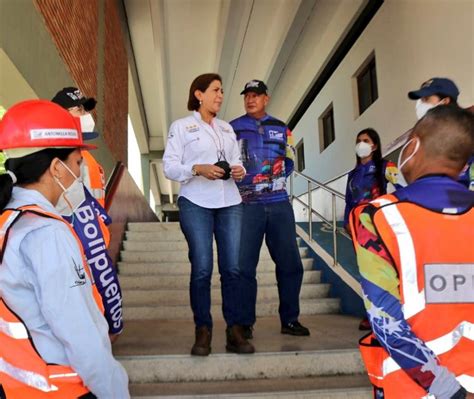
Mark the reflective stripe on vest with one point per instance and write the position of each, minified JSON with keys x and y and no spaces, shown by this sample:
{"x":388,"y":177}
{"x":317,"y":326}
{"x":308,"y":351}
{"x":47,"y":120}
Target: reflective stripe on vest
{"x":29,"y":378}
{"x":414,"y":299}
{"x":13,"y":329}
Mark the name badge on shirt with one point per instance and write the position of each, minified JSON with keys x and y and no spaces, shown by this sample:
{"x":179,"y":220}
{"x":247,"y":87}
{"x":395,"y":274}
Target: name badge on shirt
{"x":192,"y":128}
{"x":449,"y":283}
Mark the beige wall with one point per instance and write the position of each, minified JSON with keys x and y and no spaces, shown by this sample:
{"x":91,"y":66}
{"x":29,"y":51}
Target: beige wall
{"x":413,"y":40}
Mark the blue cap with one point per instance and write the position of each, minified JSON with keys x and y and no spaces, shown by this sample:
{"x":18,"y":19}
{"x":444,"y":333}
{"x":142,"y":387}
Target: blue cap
{"x":89,"y":135}
{"x":438,"y":86}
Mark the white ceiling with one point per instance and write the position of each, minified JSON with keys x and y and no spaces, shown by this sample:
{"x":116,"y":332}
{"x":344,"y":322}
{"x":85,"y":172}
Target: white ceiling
{"x":283,"y":42}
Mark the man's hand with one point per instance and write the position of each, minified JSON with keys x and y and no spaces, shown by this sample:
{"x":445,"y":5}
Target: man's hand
{"x":470,"y":395}
{"x":237,"y":172}
{"x":210,"y":172}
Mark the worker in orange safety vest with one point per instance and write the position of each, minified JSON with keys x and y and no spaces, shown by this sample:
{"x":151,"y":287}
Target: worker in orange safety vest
{"x":415,"y":255}
{"x":54,"y":340}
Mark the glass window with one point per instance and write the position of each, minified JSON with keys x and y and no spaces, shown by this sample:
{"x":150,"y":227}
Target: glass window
{"x":367,"y":85}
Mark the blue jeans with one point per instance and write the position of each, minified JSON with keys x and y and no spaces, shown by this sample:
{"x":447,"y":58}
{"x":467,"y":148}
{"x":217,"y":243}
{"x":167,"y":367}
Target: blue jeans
{"x":199,"y":226}
{"x":276,"y":222}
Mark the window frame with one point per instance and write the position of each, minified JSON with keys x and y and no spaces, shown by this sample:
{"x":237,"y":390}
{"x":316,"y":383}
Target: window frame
{"x":366,"y":84}
{"x":326,"y":138}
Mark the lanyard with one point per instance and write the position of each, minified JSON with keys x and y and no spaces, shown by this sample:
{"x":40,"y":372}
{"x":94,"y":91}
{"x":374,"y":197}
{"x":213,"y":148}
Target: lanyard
{"x":219,"y":143}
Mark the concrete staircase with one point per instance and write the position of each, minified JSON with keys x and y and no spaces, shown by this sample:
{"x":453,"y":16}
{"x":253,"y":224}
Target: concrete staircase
{"x":159,"y":332}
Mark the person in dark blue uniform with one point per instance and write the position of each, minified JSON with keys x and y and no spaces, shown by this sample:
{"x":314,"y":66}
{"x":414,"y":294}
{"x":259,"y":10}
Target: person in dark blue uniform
{"x":442,"y":91}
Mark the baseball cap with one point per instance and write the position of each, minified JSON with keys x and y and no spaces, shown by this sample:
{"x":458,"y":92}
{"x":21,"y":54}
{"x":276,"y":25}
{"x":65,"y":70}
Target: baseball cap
{"x":255,"y":86}
{"x":70,"y":97}
{"x":443,"y":86}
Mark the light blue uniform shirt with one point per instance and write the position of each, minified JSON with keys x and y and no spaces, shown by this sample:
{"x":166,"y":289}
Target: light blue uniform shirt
{"x":42,"y":280}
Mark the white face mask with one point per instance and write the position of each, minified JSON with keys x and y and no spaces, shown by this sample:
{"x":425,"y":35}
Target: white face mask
{"x":401,"y":179}
{"x":87,"y":123}
{"x":363,"y":149}
{"x":422,"y":108}
{"x":71,"y":197}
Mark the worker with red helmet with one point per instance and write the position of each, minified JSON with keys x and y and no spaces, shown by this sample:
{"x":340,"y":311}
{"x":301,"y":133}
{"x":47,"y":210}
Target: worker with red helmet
{"x":54,"y":340}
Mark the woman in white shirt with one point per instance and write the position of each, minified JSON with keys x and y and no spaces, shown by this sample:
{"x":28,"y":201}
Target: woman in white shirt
{"x":54,"y":337}
{"x":203,"y":155}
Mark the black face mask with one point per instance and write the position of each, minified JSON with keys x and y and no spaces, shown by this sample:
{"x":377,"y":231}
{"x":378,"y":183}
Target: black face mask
{"x":226,"y":167}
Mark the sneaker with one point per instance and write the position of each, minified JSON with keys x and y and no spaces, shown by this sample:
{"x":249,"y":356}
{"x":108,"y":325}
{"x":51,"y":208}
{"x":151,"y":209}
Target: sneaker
{"x":294,"y":328}
{"x":236,"y":341}
{"x":248,"y":332}
{"x":364,"y":325}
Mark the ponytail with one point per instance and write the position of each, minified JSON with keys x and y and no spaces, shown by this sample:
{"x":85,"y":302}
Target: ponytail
{"x":6,"y":186}
{"x":28,"y":170}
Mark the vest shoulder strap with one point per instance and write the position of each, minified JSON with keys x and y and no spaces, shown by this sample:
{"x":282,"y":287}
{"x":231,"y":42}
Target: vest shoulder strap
{"x":10,"y":216}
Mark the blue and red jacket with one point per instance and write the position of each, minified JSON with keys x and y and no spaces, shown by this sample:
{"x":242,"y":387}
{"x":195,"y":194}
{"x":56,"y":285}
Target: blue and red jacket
{"x":268,"y":154}
{"x":363,"y":184}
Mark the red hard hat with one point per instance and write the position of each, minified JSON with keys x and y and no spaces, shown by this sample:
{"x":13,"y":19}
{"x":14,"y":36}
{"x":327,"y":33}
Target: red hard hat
{"x":39,"y":124}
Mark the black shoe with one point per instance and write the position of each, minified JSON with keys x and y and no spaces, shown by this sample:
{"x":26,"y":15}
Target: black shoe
{"x":248,"y":332}
{"x":294,"y":328}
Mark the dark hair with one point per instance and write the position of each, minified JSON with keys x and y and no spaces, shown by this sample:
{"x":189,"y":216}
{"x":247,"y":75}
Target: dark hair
{"x":447,"y":133}
{"x":28,"y":169}
{"x":201,"y":83}
{"x":376,"y":158}
{"x":443,"y":96}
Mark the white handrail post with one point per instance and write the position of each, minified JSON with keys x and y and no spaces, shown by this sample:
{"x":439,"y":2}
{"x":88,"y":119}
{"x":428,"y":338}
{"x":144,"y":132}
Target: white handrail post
{"x":334,"y":228}
{"x":310,"y":212}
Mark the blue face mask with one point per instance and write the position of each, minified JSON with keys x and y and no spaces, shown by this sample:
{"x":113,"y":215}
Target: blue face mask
{"x":400,"y":164}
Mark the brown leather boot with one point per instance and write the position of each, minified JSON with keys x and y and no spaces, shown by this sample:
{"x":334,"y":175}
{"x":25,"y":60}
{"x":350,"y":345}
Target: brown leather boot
{"x":202,"y":345}
{"x":236,"y":342}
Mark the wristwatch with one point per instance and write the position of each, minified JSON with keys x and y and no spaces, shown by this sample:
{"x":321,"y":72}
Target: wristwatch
{"x":194,"y":171}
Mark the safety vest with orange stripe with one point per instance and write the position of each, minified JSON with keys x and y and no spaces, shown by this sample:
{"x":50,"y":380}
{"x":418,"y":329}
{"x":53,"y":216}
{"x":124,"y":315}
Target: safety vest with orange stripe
{"x":436,"y":273}
{"x":94,"y":177}
{"x":23,"y":373}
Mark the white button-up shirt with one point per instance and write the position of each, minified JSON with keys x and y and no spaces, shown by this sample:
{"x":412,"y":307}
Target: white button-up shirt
{"x":40,"y":281}
{"x":191,"y":141}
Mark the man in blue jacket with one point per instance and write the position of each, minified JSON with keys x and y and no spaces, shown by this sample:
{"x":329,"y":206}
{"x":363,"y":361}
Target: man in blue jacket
{"x":267,"y":152}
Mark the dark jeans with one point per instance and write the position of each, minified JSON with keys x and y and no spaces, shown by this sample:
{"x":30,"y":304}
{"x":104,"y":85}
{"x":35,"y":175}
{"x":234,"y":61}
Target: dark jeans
{"x":199,"y":225}
{"x":275,"y":222}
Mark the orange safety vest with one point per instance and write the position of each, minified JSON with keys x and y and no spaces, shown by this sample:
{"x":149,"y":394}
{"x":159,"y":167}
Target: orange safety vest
{"x":436,"y":271}
{"x":94,"y":177}
{"x":94,"y":181}
{"x":23,"y":373}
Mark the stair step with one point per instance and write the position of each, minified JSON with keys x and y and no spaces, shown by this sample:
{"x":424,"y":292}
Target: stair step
{"x":153,"y":236}
{"x":176,"y":297}
{"x":307,"y":306}
{"x":317,"y":387}
{"x":168,"y":281}
{"x":166,"y":268}
{"x":175,"y":337}
{"x":167,"y":246}
{"x":176,"y":256}
{"x":153,"y":226}
{"x":217,"y":367}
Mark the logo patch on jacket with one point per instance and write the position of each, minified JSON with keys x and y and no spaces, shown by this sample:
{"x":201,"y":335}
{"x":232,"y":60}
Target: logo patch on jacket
{"x":275,"y":134}
{"x":81,"y":274}
{"x":192,"y":128}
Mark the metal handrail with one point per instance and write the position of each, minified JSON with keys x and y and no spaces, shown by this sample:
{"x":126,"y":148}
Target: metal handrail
{"x":310,"y":181}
